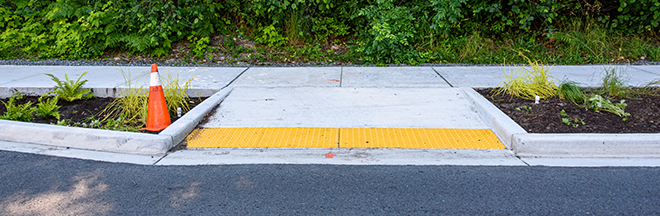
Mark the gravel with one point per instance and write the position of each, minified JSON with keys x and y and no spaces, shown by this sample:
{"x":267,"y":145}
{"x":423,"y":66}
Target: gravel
{"x":182,"y":63}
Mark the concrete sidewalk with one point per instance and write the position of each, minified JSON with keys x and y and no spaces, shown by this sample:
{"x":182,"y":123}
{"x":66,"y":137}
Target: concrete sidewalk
{"x":402,"y":97}
{"x":32,"y":79}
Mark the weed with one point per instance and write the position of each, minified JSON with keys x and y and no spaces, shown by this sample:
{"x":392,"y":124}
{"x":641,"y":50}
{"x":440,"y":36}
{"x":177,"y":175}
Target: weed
{"x":524,"y":108}
{"x":614,"y":85}
{"x":122,"y":123}
{"x":70,"y":90}
{"x":572,"y":92}
{"x":533,"y":82}
{"x":18,"y":112}
{"x":176,"y":93}
{"x":48,"y":108}
{"x":575,"y":123}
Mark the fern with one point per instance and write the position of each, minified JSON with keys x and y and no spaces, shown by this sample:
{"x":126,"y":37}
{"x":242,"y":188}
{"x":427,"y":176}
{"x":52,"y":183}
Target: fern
{"x":22,"y":112}
{"x":48,"y":108}
{"x":70,"y":90}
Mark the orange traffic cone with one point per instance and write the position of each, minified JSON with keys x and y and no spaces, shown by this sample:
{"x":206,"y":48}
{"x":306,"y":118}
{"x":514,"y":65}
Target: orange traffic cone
{"x":158,"y":118}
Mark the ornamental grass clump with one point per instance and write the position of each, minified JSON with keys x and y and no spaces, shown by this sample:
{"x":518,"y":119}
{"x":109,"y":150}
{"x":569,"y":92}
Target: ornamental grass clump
{"x":572,"y":92}
{"x":529,"y":81}
{"x":614,"y":85}
{"x":176,"y":93}
{"x":131,"y":105}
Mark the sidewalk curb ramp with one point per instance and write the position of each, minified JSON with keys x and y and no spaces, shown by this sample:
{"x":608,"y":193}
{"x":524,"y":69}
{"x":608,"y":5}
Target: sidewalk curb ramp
{"x":111,"y":141}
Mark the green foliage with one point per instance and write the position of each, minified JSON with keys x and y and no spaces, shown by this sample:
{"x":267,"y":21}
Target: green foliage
{"x":379,"y":32}
{"x":524,"y":108}
{"x":18,"y":112}
{"x":270,"y":37}
{"x":614,"y":85}
{"x":130,"y":107}
{"x":199,"y":46}
{"x":597,"y":103}
{"x":575,"y":123}
{"x":390,"y":36}
{"x":573,"y":92}
{"x":70,"y":90}
{"x":48,"y":108}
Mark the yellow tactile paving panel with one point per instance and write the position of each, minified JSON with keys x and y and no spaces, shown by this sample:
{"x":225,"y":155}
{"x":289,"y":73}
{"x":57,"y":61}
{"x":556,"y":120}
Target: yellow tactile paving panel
{"x":404,"y":138}
{"x":264,"y":138}
{"x":419,"y":138}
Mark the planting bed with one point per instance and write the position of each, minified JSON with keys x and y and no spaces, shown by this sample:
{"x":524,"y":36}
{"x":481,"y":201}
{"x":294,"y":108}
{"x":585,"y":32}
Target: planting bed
{"x":81,"y":111}
{"x":546,"y":117}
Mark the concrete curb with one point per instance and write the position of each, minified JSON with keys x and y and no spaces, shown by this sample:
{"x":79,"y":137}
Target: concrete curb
{"x":110,"y":141}
{"x":503,"y":126}
{"x":562,"y":144}
{"x":84,"y":138}
{"x":587,"y":145}
{"x":183,"y":126}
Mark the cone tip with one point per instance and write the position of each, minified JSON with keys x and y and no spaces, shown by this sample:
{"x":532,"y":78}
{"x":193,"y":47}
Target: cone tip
{"x":154,"y":68}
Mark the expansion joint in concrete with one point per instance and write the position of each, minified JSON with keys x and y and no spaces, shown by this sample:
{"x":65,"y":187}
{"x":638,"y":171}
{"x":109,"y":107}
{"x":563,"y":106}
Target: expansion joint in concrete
{"x":443,"y":78}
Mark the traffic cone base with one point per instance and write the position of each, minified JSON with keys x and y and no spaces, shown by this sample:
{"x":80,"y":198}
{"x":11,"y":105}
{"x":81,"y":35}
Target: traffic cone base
{"x":158,"y":117}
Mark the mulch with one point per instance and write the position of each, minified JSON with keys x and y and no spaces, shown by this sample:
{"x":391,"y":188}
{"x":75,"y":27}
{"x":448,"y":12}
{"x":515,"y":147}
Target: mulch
{"x":545,"y":117}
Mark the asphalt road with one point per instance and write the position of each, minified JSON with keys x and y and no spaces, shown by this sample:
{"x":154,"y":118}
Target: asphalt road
{"x":44,"y":185}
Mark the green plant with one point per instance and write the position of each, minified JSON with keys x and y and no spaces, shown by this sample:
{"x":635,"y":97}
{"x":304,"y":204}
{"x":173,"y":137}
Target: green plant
{"x":176,"y":94}
{"x":131,"y":105}
{"x":70,"y":90}
{"x":123,"y":122}
{"x":575,"y":123}
{"x":572,"y":92}
{"x":535,"y":81}
{"x":524,"y":108}
{"x":18,"y":112}
{"x":597,"y":103}
{"x":48,"y":108}
{"x":614,"y":85}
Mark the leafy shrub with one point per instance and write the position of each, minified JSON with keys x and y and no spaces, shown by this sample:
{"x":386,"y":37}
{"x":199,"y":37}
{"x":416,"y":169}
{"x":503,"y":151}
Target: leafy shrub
{"x":18,"y":112}
{"x":390,"y":36}
{"x":382,"y":31}
{"x":70,"y":90}
{"x":48,"y":108}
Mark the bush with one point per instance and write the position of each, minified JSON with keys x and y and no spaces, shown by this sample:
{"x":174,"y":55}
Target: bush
{"x":382,"y":31}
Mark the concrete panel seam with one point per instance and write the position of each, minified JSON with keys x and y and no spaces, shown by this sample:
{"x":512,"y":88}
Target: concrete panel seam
{"x":443,"y":78}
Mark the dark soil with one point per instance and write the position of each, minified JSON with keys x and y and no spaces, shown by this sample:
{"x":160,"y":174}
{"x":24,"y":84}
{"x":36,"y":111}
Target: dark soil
{"x":545,"y":117}
{"x":80,"y":111}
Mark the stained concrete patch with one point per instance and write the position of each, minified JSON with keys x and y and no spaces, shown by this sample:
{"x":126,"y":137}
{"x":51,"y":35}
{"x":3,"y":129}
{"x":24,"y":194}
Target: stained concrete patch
{"x":290,"y":77}
{"x":346,"y":107}
{"x":391,"y":77}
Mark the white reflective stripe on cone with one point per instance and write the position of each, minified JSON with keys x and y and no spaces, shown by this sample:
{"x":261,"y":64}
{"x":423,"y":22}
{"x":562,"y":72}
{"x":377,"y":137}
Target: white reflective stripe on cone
{"x":155,"y":80}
